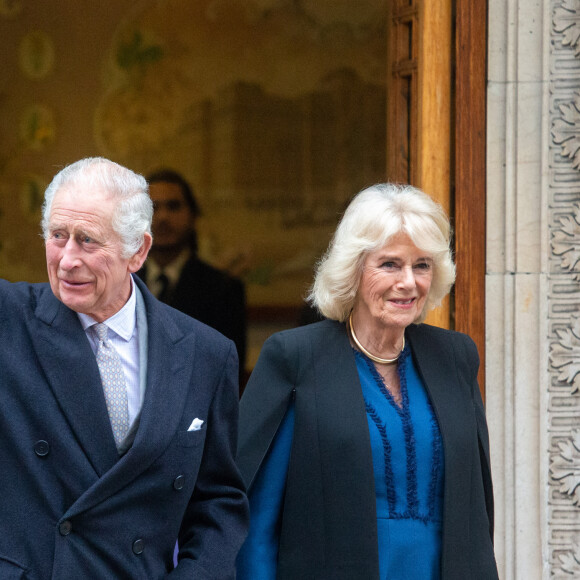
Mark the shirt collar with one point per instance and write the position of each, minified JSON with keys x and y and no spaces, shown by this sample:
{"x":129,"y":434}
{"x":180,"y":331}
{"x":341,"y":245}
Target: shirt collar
{"x":122,"y":322}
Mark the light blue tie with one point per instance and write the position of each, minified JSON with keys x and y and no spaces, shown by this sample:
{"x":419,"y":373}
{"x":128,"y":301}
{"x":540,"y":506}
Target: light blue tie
{"x":114,"y":385}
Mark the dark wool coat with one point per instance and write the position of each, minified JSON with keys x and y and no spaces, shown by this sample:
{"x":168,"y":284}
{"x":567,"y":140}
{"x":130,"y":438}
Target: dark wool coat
{"x":70,"y":507}
{"x":328,"y":528}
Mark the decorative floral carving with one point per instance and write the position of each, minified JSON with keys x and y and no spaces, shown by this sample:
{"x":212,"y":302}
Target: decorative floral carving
{"x":564,"y":354}
{"x":569,"y":561}
{"x":567,"y":23}
{"x":566,"y":240}
{"x":565,"y":466}
{"x":566,"y":130}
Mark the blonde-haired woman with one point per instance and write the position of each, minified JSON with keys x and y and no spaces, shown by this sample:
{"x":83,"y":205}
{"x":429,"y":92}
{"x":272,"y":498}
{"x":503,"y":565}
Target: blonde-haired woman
{"x":363,"y":439}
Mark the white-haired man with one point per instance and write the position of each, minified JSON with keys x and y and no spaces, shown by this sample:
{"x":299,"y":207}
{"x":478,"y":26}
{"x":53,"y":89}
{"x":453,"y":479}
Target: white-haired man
{"x":118,"y":414}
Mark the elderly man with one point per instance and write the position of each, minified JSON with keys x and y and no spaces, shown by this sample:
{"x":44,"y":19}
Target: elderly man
{"x":118,"y":414}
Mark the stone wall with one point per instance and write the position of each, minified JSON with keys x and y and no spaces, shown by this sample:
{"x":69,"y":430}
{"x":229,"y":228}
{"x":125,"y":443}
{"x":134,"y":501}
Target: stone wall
{"x":532,"y":281}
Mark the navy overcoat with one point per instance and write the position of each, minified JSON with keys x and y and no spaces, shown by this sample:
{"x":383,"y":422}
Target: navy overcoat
{"x":69,"y":506}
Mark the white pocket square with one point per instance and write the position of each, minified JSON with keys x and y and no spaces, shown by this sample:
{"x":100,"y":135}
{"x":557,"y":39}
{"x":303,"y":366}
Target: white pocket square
{"x":196,"y":424}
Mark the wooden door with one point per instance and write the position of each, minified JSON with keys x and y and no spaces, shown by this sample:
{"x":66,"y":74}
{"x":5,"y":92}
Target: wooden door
{"x":436,"y":134}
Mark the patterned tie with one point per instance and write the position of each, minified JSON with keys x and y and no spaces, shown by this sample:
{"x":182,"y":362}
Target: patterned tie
{"x":114,"y":387}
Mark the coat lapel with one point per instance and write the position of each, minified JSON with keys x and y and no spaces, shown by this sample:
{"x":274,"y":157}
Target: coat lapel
{"x":438,"y":367}
{"x":170,"y":360}
{"x":451,"y":400}
{"x":339,"y":396}
{"x":331,"y":461}
{"x":73,"y":375}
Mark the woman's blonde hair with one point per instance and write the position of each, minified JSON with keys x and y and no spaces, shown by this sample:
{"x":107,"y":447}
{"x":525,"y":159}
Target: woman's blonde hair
{"x":372,"y":218}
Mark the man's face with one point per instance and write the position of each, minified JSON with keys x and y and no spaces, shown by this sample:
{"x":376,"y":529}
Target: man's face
{"x":172,"y":219}
{"x":84,"y":254}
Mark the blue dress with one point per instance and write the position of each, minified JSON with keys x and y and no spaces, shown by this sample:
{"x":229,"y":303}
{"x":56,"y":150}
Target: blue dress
{"x":408,"y":467}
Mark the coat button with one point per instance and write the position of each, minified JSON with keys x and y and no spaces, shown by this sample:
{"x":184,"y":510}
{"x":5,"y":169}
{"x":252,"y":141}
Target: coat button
{"x":179,"y":482}
{"x":41,"y":448}
{"x":138,"y":546}
{"x":65,"y":528}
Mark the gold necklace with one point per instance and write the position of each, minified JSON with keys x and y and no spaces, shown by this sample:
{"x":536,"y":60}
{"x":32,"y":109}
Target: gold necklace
{"x":381,"y":361}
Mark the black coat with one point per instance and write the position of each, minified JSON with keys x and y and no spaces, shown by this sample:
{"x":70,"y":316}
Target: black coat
{"x":328,"y":528}
{"x":212,"y":297}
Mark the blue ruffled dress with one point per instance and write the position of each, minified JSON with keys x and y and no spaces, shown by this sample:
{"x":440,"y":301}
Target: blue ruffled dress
{"x":408,"y":467}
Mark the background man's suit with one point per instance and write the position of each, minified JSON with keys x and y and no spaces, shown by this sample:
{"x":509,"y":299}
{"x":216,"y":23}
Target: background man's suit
{"x":71,"y":508}
{"x":211,"y":296}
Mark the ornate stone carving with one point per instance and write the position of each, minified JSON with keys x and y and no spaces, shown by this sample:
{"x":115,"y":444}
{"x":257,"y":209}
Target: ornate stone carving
{"x":566,"y":240}
{"x":564,"y":293}
{"x":566,"y":130}
{"x":568,"y":562}
{"x":567,"y":23}
{"x":565,"y":466}
{"x":564,"y":355}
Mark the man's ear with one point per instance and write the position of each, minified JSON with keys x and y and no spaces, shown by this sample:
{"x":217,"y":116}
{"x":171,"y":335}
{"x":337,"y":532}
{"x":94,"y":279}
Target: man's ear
{"x":137,"y":260}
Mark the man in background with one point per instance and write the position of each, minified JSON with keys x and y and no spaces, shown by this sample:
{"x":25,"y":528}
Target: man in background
{"x":118,"y":414}
{"x":175,"y":274}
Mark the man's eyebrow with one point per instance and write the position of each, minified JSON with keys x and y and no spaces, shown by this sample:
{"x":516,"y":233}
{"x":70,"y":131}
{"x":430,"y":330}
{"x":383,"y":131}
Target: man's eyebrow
{"x":56,"y":225}
{"x":84,"y":231}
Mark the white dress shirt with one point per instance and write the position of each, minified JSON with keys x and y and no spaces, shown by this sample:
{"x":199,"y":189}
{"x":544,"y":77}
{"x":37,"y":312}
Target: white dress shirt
{"x":124,"y":336}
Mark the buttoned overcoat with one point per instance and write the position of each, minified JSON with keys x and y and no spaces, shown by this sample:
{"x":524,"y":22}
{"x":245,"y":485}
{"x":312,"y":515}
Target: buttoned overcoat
{"x":70,"y":507}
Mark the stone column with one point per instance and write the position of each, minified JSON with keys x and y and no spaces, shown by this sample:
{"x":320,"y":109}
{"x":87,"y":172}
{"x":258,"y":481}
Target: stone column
{"x":532,"y":284}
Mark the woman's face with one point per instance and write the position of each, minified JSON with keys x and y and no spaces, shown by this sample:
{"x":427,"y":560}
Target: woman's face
{"x":395,"y":283}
